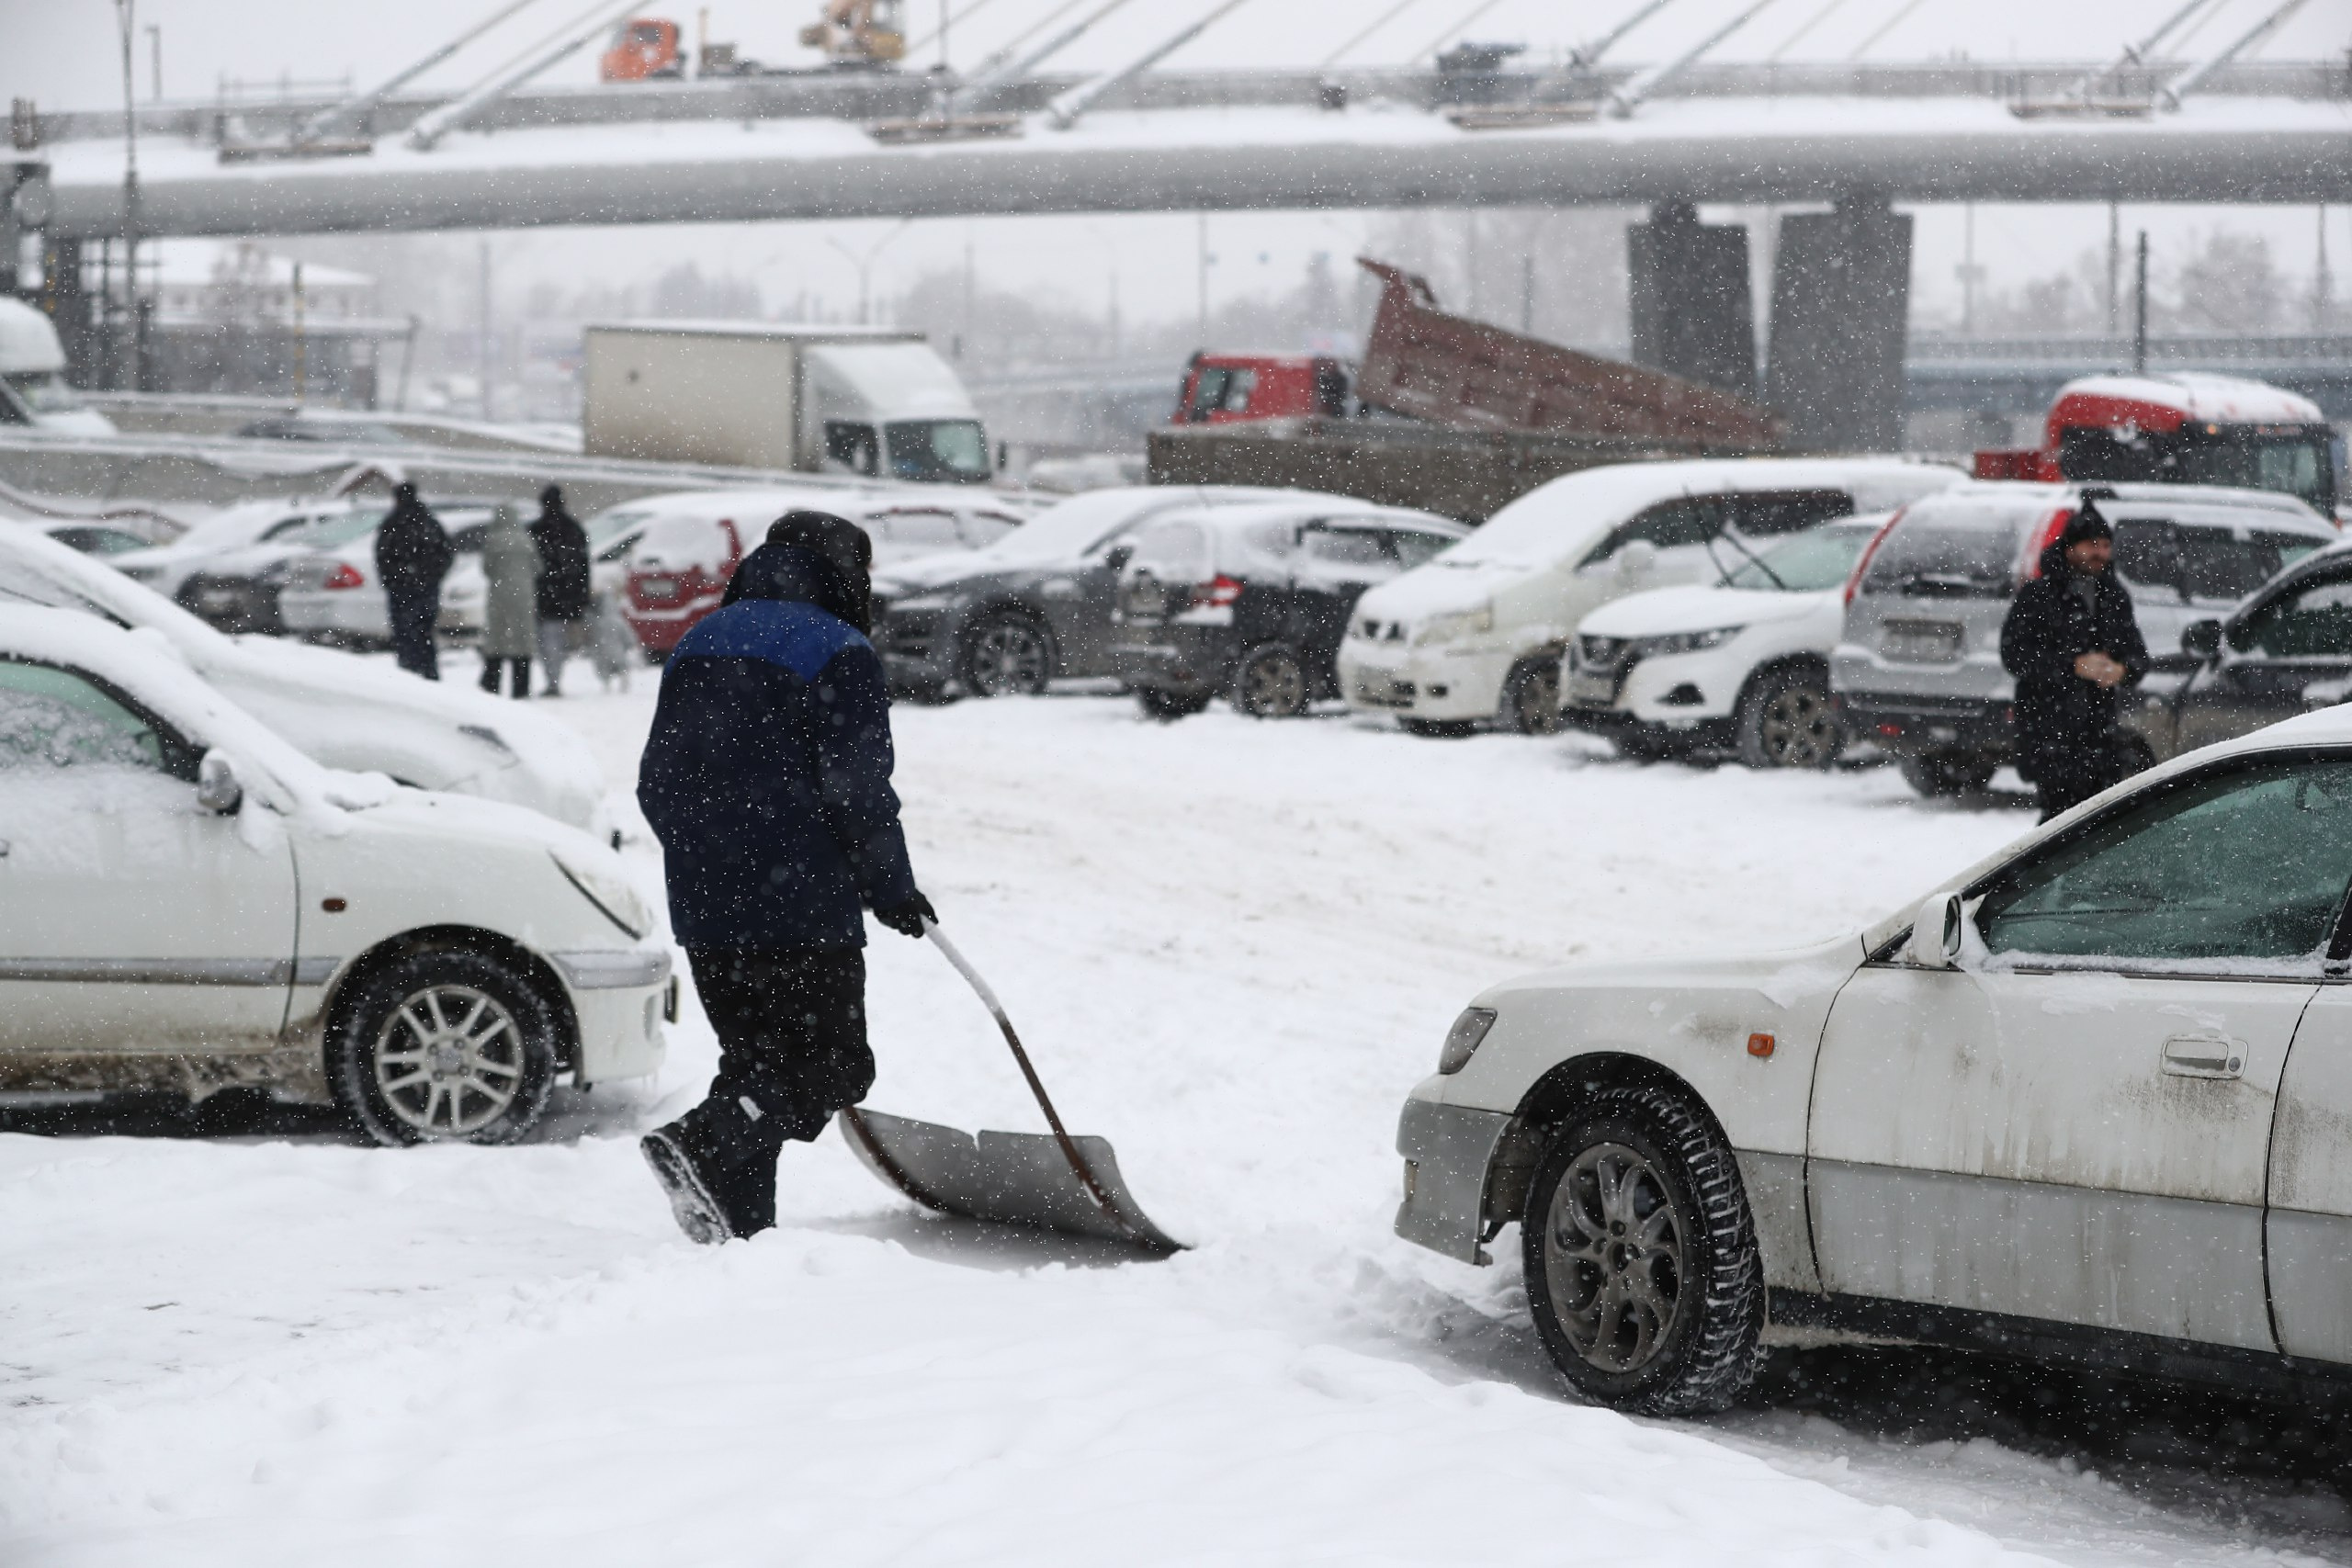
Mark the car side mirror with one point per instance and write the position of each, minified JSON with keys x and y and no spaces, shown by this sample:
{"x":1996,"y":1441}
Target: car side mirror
{"x":217,"y":788}
{"x":1635,"y":558}
{"x":2201,"y":639}
{"x":1936,"y":934}
{"x":1119,"y":557}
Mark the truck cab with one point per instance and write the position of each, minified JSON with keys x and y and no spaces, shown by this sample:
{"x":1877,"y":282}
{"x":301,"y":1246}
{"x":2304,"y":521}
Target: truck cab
{"x":1226,"y":389}
{"x":2184,"y":428}
{"x":33,"y":389}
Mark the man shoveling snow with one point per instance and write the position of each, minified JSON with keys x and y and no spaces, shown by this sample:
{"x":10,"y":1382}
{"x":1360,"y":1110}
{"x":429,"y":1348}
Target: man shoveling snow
{"x":767,"y":779}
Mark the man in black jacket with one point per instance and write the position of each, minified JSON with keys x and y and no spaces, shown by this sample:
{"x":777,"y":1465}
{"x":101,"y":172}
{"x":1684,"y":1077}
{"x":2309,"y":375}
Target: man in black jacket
{"x":413,"y":555}
{"x":2073,"y":641}
{"x":563,"y":582}
{"x":767,"y":779}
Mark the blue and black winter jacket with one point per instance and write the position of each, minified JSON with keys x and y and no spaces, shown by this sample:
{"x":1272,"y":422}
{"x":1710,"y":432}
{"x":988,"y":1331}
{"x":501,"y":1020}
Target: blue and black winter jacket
{"x":767,"y":775}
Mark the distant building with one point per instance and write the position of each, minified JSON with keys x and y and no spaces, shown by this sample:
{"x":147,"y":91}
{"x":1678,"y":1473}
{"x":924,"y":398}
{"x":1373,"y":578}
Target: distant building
{"x":230,"y":319}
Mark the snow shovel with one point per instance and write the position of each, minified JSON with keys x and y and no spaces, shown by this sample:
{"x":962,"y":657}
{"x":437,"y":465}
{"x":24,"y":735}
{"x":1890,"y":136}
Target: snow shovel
{"x":1053,"y":1182}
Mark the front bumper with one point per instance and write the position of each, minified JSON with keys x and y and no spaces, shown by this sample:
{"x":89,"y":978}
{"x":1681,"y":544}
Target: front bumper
{"x":1911,"y":727}
{"x":341,"y":612}
{"x":1668,"y":690}
{"x":1444,"y":684}
{"x":917,"y":646}
{"x":621,"y":1000}
{"x":1180,"y":658}
{"x":1448,"y":1150}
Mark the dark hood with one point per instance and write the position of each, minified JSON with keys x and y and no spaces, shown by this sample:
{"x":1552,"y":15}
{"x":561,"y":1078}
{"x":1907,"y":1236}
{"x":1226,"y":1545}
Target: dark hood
{"x":812,"y":557}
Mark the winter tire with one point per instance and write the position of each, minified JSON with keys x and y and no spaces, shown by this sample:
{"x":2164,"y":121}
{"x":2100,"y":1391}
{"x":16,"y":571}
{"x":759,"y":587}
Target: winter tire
{"x":1271,"y":684}
{"x":1006,"y":655}
{"x":1532,"y":697}
{"x":1939,"y":775}
{"x":1439,"y":728}
{"x":1162,"y":704}
{"x":1785,"y":721}
{"x":1641,"y":1259}
{"x":444,"y":1047}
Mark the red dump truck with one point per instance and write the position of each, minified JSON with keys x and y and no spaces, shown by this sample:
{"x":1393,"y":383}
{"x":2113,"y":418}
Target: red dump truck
{"x":2181,"y":428}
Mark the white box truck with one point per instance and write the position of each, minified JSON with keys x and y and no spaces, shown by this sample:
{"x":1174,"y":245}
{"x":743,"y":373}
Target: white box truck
{"x":812,"y":399}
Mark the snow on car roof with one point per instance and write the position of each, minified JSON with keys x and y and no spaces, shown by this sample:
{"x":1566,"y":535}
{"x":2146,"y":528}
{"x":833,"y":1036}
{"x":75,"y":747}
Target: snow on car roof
{"x":2008,"y":499}
{"x":1237,"y":517}
{"x":2200,"y":395}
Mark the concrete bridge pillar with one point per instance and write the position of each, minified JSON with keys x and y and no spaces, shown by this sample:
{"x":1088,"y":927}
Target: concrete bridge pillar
{"x":1841,"y":299}
{"x":1692,"y":315}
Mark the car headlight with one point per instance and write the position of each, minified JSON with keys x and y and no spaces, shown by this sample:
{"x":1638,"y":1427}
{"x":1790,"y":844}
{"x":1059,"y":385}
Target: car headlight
{"x":615,"y":899}
{"x":1455,"y":627}
{"x":1463,"y":1040}
{"x":1685,"y":642}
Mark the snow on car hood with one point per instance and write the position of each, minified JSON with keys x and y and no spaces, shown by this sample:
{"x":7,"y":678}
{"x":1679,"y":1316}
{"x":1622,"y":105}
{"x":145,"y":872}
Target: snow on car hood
{"x":1443,"y":587}
{"x":1664,"y":611}
{"x":933,"y":571}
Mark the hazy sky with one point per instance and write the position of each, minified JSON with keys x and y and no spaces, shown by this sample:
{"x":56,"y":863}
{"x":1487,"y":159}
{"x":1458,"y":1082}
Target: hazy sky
{"x":64,"y":53}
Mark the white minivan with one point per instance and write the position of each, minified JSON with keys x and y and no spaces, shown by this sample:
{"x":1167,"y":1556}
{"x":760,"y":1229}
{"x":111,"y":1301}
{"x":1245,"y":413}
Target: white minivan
{"x":1478,"y":634}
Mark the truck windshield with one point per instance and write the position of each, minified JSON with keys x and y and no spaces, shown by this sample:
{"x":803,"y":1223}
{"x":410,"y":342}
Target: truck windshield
{"x":2293,"y":460}
{"x":952,"y":450}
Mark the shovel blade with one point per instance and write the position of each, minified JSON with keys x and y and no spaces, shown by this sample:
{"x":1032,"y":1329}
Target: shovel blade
{"x":1011,"y":1179}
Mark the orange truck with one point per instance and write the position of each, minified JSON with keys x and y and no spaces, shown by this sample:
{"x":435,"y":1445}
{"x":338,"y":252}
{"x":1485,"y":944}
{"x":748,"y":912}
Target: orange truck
{"x":2182,"y":428}
{"x":643,"y":48}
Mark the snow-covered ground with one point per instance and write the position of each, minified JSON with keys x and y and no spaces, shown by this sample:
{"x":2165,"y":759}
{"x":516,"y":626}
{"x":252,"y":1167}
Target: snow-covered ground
{"x":1232,"y":947}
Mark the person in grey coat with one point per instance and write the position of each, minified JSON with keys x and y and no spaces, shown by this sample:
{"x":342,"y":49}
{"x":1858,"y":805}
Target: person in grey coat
{"x":510,"y":615}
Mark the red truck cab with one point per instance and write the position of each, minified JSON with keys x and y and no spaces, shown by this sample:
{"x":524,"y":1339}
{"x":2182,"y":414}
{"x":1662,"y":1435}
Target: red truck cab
{"x":642,"y":50}
{"x":1226,"y":389}
{"x":2184,"y":428}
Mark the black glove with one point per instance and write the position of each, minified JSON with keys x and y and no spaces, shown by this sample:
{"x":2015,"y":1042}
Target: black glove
{"x":908,"y":919}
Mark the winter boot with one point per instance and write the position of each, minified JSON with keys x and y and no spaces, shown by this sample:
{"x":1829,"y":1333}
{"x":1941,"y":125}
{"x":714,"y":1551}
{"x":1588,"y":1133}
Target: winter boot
{"x":682,"y":1164}
{"x":717,"y":1163}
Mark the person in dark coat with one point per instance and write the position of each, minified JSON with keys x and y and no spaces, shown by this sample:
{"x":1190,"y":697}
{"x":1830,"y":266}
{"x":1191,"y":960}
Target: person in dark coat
{"x":768,"y":780}
{"x":563,"y":582}
{"x":2073,"y":641}
{"x":413,"y":555}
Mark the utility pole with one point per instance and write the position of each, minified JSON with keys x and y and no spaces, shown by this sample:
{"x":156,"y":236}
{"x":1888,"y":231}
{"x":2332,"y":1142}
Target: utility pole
{"x":1527,"y":293}
{"x":2140,"y":312}
{"x":1969,"y":271}
{"x":2114,"y":270}
{"x":126,"y":19}
{"x":2321,"y":285}
{"x":302,"y":346}
{"x":968,"y":285}
{"x":1201,"y":248}
{"x":481,"y":338}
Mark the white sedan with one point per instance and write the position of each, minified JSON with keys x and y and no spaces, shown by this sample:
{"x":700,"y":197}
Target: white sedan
{"x":2086,"y":1103}
{"x":343,"y":712}
{"x":1744,"y":662}
{"x":189,"y":904}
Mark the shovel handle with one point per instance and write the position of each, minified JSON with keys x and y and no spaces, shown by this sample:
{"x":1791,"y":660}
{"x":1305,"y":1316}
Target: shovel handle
{"x":1078,"y":1165}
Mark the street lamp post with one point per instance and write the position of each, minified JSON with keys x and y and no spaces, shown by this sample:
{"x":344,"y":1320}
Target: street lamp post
{"x":127,"y":22}
{"x":865,"y":264}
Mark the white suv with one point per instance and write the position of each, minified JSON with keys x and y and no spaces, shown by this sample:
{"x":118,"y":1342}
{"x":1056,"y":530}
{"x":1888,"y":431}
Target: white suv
{"x":1478,"y":634}
{"x":189,"y":904}
{"x":2084,"y":1103}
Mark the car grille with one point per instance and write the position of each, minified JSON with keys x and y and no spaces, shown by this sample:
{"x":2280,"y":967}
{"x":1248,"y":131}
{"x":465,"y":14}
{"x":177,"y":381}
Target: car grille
{"x":1380,"y":692}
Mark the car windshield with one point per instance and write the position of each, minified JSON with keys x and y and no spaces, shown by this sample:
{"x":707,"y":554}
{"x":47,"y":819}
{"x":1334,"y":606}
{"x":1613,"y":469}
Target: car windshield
{"x":1956,"y":561}
{"x":328,"y":531}
{"x":954,"y":451}
{"x":607,"y":526}
{"x":1805,"y":564}
{"x":44,"y":391}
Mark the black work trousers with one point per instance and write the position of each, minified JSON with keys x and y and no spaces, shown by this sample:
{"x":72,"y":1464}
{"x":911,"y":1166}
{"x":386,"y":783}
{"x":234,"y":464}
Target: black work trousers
{"x":792,"y":1051}
{"x":413,"y":613}
{"x":490,"y":667}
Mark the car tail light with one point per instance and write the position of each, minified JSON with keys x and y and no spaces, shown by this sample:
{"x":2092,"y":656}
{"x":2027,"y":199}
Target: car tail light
{"x":344,"y":575}
{"x":2053,"y":525}
{"x":1863,"y":561}
{"x":1218,"y":593}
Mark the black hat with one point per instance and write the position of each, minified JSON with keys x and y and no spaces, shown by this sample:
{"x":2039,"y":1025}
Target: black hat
{"x":2085,"y":524}
{"x":405,"y":490}
{"x":551,"y":496}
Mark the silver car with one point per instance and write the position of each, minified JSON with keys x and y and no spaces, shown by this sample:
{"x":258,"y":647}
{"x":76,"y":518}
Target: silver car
{"x":1918,"y":667}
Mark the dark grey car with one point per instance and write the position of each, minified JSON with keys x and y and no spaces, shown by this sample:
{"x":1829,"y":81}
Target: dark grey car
{"x":2285,"y":650}
{"x":1034,"y":607}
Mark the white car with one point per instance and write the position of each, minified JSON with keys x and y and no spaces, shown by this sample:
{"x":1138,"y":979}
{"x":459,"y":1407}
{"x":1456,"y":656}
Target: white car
{"x":1743,"y":663}
{"x":1478,"y":634}
{"x":228,"y":569}
{"x":189,"y":904}
{"x":340,"y":711}
{"x":2087,"y":1102}
{"x":332,"y":595}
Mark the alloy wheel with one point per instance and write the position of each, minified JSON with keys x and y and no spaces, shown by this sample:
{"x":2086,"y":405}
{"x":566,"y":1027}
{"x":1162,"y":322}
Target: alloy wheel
{"x":1273,"y":685}
{"x":1796,"y":730}
{"x":449,"y":1060}
{"x":1006,"y":655}
{"x":1615,"y":1257}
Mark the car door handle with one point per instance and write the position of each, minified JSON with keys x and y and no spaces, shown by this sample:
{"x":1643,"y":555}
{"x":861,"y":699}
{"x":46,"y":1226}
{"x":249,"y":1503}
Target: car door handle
{"x":2205,"y":1057}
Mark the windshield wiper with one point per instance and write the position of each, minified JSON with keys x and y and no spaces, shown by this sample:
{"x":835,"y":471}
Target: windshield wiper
{"x":1741,"y":546}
